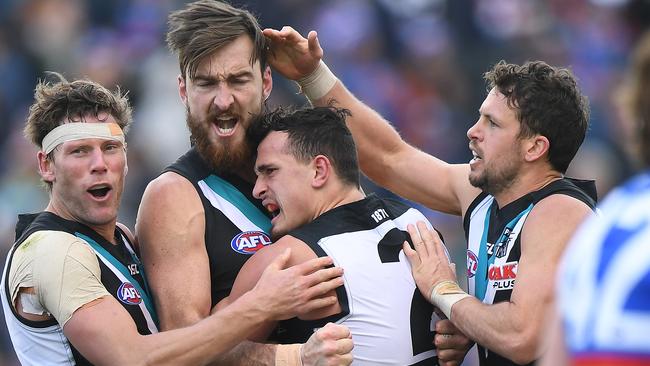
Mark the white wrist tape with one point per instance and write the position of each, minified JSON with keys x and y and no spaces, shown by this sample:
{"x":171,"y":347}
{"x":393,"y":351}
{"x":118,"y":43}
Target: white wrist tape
{"x":317,"y":84}
{"x":445,"y":294}
{"x":288,"y":355}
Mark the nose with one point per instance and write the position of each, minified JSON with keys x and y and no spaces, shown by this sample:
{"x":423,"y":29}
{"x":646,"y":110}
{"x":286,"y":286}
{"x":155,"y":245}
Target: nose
{"x":223,"y":98}
{"x":259,"y":189}
{"x":98,"y":162}
{"x":473,"y":132}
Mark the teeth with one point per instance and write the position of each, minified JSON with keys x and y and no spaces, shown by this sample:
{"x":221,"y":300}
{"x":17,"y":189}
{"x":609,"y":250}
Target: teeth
{"x":225,"y":130}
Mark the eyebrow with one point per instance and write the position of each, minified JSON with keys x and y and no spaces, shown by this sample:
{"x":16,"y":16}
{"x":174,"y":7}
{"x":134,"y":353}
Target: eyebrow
{"x":260,"y":168}
{"x":232,"y":75}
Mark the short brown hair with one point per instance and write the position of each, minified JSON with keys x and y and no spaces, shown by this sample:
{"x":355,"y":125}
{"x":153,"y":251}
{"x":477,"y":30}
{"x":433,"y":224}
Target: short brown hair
{"x":204,"y":26}
{"x":61,"y":101}
{"x":547,"y":102}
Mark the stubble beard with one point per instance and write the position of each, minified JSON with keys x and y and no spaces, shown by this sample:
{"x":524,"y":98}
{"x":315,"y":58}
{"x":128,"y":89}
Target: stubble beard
{"x":495,"y":181}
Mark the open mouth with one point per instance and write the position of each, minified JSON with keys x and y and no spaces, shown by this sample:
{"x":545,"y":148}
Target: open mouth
{"x":273,"y":209}
{"x":225,"y":125}
{"x":99,"y":191}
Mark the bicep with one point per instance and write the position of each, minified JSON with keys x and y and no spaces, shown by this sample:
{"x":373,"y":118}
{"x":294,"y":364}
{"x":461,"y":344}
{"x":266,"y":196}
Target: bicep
{"x":170,"y":230}
{"x":103,"y":332}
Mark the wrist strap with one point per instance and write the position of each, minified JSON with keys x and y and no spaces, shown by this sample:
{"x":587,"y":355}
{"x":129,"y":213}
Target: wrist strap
{"x":288,"y":355}
{"x":317,"y":84}
{"x":445,"y":294}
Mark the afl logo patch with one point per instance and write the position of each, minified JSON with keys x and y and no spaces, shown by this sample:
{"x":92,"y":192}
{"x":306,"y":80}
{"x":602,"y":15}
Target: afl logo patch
{"x":128,"y":294}
{"x":472,"y":264}
{"x":249,"y":242}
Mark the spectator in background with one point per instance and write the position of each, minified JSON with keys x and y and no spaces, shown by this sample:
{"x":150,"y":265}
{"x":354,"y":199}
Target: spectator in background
{"x":603,"y":302}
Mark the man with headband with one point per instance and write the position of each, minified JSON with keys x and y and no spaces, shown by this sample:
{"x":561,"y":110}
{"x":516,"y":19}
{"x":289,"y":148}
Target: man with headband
{"x":73,"y":290}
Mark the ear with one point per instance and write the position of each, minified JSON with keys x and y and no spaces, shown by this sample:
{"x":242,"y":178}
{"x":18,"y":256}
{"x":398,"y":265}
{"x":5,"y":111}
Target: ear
{"x":536,"y":147}
{"x":46,"y":167}
{"x":322,"y":171}
{"x":182,"y":89}
{"x":267,"y":82}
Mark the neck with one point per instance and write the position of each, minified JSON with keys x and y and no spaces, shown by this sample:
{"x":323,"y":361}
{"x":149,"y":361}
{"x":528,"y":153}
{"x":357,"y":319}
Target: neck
{"x":339,"y":197}
{"x":524,"y":184}
{"x":106,"y":231}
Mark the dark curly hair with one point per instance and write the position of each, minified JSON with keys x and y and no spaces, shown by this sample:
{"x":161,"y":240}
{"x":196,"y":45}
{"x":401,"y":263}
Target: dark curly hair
{"x":547,"y":102}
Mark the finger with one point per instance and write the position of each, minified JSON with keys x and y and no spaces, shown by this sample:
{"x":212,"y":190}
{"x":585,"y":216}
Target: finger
{"x":314,"y":45}
{"x":417,"y":241}
{"x":449,"y":357}
{"x":290,"y":34}
{"x":280,"y":262}
{"x":411,"y":255}
{"x":312,"y":265}
{"x":428,"y":239}
{"x":323,"y":275}
{"x":335,"y":331}
{"x":445,"y":326}
{"x":345,"y":345}
{"x":321,"y":288}
{"x":317,"y":303}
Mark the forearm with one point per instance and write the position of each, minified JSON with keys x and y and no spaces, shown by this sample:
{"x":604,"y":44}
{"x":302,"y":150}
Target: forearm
{"x":209,"y":339}
{"x":375,"y":138}
{"x":249,"y":354}
{"x":503,"y":328}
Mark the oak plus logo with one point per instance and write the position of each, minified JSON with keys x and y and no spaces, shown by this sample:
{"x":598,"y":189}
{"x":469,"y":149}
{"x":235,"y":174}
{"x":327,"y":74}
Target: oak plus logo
{"x":503,"y":276}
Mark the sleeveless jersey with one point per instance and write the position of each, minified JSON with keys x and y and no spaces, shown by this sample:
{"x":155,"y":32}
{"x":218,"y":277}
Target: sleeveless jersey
{"x":236,"y":224}
{"x":604,"y":281}
{"x":494,"y":248}
{"x":43,"y":342}
{"x":390,"y":321}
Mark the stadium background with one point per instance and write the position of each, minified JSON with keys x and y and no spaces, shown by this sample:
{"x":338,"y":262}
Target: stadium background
{"x":418,"y":62}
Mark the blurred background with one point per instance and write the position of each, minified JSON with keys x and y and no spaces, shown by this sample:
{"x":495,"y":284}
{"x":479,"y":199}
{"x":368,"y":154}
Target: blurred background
{"x":418,"y":62}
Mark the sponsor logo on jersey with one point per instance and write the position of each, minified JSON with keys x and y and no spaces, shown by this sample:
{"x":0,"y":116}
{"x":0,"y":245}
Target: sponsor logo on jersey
{"x":472,"y":264}
{"x":249,"y":242}
{"x":503,"y":276}
{"x":128,"y":294}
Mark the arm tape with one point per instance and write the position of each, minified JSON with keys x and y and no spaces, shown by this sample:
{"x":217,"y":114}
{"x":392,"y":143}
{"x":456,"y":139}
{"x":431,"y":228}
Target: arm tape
{"x":288,"y":355}
{"x":445,"y":294}
{"x":317,"y":84}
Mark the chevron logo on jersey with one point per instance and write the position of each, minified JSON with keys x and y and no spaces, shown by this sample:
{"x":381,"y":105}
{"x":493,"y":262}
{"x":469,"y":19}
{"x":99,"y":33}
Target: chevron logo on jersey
{"x":249,"y":242}
{"x":128,"y":294}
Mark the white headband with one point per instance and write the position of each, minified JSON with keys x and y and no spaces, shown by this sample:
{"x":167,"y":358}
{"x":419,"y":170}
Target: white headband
{"x":79,"y":131}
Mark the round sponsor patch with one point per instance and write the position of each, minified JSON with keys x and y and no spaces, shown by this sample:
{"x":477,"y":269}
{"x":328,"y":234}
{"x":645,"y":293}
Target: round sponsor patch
{"x":128,"y":294}
{"x":249,"y":242}
{"x":472,"y":264}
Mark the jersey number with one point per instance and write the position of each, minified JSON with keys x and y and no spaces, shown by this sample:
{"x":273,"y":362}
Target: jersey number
{"x":421,"y":334}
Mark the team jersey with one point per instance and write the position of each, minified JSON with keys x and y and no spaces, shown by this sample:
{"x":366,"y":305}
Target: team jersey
{"x":494,"y":244}
{"x":390,"y":321}
{"x":604,"y":281}
{"x":43,"y":342}
{"x":236,"y":224}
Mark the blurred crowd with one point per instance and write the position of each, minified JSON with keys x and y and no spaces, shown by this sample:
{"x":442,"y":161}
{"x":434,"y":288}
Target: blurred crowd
{"x":418,"y":62}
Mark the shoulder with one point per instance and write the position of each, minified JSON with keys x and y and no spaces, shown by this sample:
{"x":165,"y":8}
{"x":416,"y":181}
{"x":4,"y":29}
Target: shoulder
{"x":170,"y":194}
{"x":555,"y":216}
{"x":169,"y":183}
{"x":48,"y":253}
{"x":300,"y":251}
